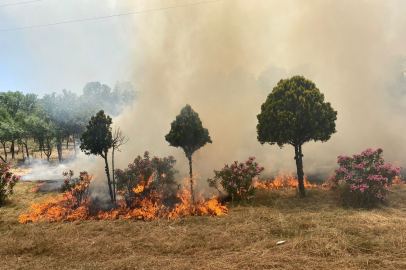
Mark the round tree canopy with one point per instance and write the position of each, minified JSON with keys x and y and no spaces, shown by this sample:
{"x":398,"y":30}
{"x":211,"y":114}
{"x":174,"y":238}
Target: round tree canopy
{"x":187,"y":132}
{"x":295,"y":113}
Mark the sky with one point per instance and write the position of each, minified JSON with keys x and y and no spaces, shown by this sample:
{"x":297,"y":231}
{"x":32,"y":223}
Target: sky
{"x":223,"y":58}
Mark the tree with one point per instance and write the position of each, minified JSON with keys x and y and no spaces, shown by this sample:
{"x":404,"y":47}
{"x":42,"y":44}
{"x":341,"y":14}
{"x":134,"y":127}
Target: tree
{"x":188,"y":133}
{"x":295,"y":113}
{"x":98,"y":139}
{"x":118,"y":140}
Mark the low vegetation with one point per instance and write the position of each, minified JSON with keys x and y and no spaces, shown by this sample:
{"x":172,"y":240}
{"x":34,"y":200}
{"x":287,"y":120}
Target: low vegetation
{"x":319,"y":234}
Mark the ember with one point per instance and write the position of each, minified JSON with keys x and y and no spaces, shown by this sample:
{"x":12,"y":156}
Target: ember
{"x":70,"y":208}
{"x":284,"y":181}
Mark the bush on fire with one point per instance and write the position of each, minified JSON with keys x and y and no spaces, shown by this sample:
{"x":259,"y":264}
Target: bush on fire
{"x":236,"y":179}
{"x":7,"y":182}
{"x":364,"y":179}
{"x":78,"y":188}
{"x":139,"y":173}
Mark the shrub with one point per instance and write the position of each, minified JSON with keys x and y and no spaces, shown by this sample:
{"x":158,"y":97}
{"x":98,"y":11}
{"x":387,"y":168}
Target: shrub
{"x":7,"y":182}
{"x":146,"y":177}
{"x":236,"y":179}
{"x":77,"y":190}
{"x":364,"y":179}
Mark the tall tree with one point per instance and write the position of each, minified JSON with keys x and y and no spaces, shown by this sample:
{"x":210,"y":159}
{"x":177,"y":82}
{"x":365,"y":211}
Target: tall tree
{"x":295,"y":113}
{"x":187,"y":132}
{"x":98,"y":139}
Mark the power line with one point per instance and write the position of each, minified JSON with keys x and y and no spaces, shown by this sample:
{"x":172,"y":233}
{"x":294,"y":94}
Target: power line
{"x":108,"y":16}
{"x":20,"y":3}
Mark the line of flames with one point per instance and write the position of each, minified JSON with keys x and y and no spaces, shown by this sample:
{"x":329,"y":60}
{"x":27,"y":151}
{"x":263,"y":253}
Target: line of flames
{"x":284,"y":180}
{"x":289,"y":181}
{"x":64,"y":209}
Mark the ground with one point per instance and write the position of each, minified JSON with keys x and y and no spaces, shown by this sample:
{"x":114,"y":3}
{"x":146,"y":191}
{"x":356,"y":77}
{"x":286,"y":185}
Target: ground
{"x":319,"y":234}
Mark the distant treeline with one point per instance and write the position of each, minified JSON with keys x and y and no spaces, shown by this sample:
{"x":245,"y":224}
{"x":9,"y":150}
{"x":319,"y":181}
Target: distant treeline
{"x":57,"y":117}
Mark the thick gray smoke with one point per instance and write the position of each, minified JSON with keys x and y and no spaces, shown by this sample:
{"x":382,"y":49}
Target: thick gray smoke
{"x":224,"y":58}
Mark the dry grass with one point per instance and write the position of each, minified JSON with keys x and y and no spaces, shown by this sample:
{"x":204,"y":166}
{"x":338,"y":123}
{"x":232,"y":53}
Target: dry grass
{"x":320,"y":235}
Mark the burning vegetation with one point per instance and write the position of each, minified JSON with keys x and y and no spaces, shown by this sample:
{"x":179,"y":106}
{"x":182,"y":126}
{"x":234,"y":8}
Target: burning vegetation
{"x":147,"y":204}
{"x":283,"y":181}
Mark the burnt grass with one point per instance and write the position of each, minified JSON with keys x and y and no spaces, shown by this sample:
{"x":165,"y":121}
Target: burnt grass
{"x":319,"y":234}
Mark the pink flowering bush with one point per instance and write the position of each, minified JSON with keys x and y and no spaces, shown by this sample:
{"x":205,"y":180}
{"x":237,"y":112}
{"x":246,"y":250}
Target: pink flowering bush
{"x":152,"y":174}
{"x":236,"y":179}
{"x":7,"y":182}
{"x":364,"y":178}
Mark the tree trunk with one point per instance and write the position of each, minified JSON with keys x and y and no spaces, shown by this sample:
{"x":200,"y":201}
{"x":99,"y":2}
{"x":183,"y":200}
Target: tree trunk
{"x":108,"y":177}
{"x":12,"y":150}
{"x":114,"y":180}
{"x":2,"y":159}
{"x":26,"y":150}
{"x":191,"y":181}
{"x":59,"y":148}
{"x":5,"y":152}
{"x":74,"y":143}
{"x":67,"y":142}
{"x":299,"y":167}
{"x":41,"y":146}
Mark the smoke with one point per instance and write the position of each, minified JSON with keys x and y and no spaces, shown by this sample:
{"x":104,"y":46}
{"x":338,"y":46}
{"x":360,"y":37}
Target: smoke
{"x":43,"y":171}
{"x":224,"y":58}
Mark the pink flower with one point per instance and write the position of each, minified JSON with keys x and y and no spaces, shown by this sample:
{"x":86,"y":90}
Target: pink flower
{"x":229,"y":183}
{"x":235,"y":185}
{"x":240,"y":172}
{"x":235,"y":170}
{"x":349,"y":176}
{"x":251,"y":172}
{"x":244,"y":190}
{"x":240,"y":178}
{"x":11,"y":182}
{"x":146,"y":153}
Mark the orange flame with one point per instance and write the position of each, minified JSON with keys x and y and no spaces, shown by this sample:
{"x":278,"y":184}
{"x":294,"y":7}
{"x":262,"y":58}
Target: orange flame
{"x":398,"y":181}
{"x":284,"y":181}
{"x":38,"y":187}
{"x":149,"y":208}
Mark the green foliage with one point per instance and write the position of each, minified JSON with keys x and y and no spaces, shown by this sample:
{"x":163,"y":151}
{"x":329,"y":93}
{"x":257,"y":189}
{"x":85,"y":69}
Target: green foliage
{"x":97,"y":139}
{"x":295,"y":113}
{"x":7,"y":182}
{"x":236,"y":179}
{"x":364,"y":179}
{"x":187,"y":132}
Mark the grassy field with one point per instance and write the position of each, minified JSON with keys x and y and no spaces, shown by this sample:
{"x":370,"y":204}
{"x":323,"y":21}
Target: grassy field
{"x":319,"y":234}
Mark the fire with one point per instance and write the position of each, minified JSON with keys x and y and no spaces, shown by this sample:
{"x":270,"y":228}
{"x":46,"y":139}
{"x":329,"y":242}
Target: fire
{"x":38,"y":187}
{"x":284,"y":181}
{"x":70,"y":208}
{"x":398,"y":181}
